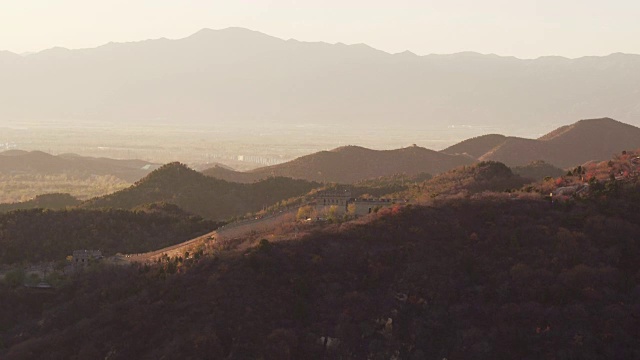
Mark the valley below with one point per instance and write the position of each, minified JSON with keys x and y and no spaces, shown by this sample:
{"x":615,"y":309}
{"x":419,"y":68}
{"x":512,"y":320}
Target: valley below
{"x":239,"y":146}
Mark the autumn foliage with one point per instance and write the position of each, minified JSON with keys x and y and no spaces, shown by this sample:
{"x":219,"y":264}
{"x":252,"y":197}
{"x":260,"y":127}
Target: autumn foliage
{"x":469,"y":278}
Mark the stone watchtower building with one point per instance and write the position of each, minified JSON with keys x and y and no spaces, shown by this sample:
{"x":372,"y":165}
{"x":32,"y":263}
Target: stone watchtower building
{"x":338,"y":198}
{"x":341,"y":199}
{"x":84,"y":257}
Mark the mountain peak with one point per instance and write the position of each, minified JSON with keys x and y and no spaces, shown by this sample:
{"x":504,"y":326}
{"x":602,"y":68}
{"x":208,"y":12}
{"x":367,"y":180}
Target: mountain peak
{"x":8,"y":53}
{"x":570,"y":145}
{"x":9,"y":58}
{"x":349,"y":148}
{"x":600,"y":124}
{"x":599,"y":121}
{"x":231,"y":33}
{"x":173,"y":167}
{"x":406,"y":53}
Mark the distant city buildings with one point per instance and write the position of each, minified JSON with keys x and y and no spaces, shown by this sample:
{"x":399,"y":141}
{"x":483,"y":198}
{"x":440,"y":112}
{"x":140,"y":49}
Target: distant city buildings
{"x":260,"y":160}
{"x":8,"y":146}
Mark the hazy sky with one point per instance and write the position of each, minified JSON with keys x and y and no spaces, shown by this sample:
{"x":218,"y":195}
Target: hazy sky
{"x":521,"y":28}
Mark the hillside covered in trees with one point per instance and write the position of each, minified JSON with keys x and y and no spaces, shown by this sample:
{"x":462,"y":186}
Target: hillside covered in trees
{"x":485,"y":176}
{"x":29,"y":236}
{"x":484,"y":277}
{"x":491,"y":275}
{"x":205,"y":196}
{"x":537,"y":170}
{"x":53,"y":201}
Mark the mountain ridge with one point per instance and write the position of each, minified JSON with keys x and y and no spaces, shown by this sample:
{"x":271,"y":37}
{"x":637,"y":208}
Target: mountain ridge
{"x":192,"y":191}
{"x":350,"y":164}
{"x":210,"y":76}
{"x":585,"y":140}
{"x":242,"y":30}
{"x":567,"y":146}
{"x":39,"y":162}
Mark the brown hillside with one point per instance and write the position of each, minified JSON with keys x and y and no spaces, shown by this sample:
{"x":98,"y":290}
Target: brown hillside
{"x":207,"y":197}
{"x":224,"y":173}
{"x":488,"y":278}
{"x":350,"y":164}
{"x":518,"y":151}
{"x":477,"y":146}
{"x":467,"y":180}
{"x":41,"y":163}
{"x":538,"y":170}
{"x":595,"y":139}
{"x":33,"y":161}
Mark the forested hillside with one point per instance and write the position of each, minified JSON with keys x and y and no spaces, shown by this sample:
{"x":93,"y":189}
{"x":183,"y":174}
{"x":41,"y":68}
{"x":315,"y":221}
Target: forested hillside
{"x":466,"y":180}
{"x":45,"y":201}
{"x":479,"y":278}
{"x":493,"y":275}
{"x":537,"y":170}
{"x":205,"y":196}
{"x":44,"y":235}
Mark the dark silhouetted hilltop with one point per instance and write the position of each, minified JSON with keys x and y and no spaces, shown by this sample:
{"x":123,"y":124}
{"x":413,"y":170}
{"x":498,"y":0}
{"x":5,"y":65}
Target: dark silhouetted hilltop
{"x":208,"y":197}
{"x":38,"y":235}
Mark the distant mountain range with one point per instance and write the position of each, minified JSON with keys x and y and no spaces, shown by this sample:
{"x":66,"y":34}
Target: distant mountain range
{"x":571,"y":145}
{"x":350,"y":164}
{"x":239,"y":75}
{"x":40,"y":163}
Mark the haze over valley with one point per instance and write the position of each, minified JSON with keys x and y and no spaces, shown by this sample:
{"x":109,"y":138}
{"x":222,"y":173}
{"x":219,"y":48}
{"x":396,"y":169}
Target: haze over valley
{"x":218,"y":95}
